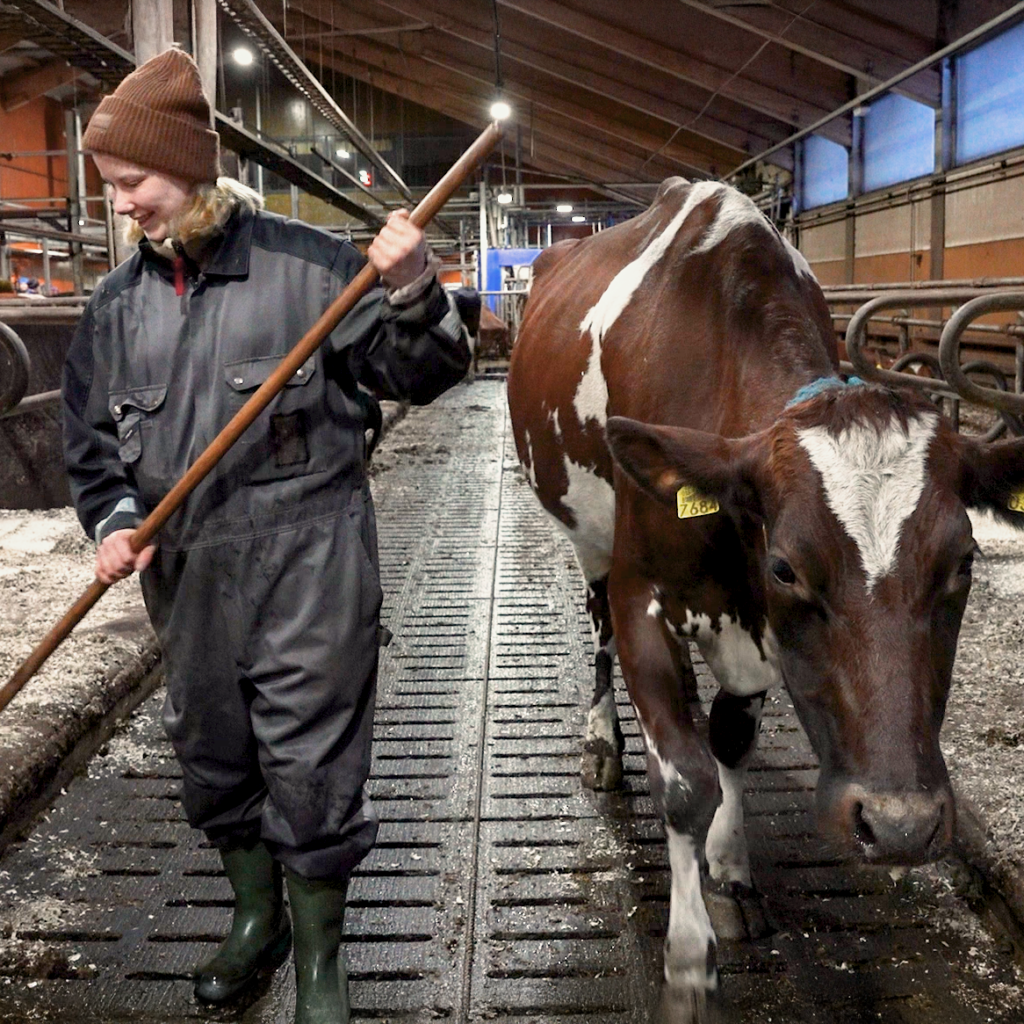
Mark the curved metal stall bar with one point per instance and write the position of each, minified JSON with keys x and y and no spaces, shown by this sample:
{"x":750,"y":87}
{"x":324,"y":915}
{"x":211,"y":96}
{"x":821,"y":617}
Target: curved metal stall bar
{"x":949,"y":351}
{"x":16,"y":369}
{"x":856,"y":335}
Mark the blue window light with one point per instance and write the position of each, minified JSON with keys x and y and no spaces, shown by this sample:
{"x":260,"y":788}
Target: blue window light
{"x":824,"y":176}
{"x":899,"y":141}
{"x":990,"y":97}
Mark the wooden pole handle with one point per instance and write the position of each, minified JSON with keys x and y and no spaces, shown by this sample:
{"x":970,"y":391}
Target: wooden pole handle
{"x":424,"y":212}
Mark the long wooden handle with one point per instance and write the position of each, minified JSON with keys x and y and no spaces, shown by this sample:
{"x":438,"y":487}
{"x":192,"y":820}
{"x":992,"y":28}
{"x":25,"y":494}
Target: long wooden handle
{"x":424,"y":212}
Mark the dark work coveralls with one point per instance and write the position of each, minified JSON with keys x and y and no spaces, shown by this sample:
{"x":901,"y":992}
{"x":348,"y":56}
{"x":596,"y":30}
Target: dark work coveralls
{"x":264,"y":591}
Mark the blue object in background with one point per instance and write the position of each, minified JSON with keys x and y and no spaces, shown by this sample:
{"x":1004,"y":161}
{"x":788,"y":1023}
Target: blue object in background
{"x":899,"y":141}
{"x":824,"y":175}
{"x":498,"y":258}
{"x":990,"y":97}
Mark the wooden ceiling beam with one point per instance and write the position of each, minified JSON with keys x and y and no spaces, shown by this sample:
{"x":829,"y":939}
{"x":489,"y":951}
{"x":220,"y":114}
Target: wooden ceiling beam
{"x":22,"y":87}
{"x":769,"y":100}
{"x":810,"y":38}
{"x":658,"y":149}
{"x":423,"y":85}
{"x":582,"y":67}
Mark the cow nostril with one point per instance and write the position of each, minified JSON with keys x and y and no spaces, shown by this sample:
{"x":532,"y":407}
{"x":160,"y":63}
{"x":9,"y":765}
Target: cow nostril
{"x":863,"y":832}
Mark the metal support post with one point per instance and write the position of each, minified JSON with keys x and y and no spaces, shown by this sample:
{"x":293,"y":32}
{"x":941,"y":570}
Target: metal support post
{"x":74,"y":200}
{"x":152,"y":27}
{"x":483,"y":230}
{"x":204,"y":14}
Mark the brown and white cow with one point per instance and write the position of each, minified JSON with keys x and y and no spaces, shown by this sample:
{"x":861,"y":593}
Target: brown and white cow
{"x":839,"y":561}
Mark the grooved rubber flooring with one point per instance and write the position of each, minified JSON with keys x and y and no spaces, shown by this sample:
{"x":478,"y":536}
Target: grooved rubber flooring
{"x":500,"y":890}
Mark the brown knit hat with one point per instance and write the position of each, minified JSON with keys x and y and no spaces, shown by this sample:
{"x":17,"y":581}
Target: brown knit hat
{"x":159,"y":119}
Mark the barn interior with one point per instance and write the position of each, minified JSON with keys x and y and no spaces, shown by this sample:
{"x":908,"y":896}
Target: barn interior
{"x":881,"y":139}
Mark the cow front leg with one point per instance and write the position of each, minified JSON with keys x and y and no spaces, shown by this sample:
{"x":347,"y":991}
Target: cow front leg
{"x":684,"y":785}
{"x":604,"y":743}
{"x":733,"y":730}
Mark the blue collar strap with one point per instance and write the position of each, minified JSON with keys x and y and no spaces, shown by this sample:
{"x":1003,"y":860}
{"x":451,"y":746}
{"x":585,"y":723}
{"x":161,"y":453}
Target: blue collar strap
{"x":816,"y":387}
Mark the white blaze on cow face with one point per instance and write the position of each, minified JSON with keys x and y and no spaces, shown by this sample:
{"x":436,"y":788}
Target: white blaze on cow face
{"x":873,"y":482}
{"x":591,"y":400}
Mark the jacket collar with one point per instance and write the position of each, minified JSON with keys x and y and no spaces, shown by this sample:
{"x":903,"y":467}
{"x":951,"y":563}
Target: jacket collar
{"x":227,"y":255}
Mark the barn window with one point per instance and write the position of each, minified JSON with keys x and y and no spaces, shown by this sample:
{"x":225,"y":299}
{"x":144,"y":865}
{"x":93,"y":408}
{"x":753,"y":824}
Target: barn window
{"x":823,"y":172}
{"x":990,"y":96}
{"x":899,"y":141}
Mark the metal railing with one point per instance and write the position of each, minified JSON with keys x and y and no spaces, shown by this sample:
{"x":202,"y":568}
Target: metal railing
{"x":950,"y":381}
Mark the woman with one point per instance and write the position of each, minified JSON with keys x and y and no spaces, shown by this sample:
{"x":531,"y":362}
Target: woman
{"x":263,"y":587}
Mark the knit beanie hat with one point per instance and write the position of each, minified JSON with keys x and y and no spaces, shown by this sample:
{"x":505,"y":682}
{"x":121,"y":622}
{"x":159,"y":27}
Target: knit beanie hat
{"x":159,"y":119}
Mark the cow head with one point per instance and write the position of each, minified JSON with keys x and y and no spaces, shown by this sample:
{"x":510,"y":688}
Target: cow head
{"x":866,"y":560}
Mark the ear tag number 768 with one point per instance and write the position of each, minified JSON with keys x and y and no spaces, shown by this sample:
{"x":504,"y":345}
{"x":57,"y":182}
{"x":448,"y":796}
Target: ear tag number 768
{"x":690,"y":503}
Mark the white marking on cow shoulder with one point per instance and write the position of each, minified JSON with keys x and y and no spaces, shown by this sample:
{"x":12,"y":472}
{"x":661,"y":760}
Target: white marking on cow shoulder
{"x":654,"y":609}
{"x":601,"y":720}
{"x":689,"y":927}
{"x":873,"y":482}
{"x":591,"y":500}
{"x":591,"y":399}
{"x":734,"y":211}
{"x":734,"y":659}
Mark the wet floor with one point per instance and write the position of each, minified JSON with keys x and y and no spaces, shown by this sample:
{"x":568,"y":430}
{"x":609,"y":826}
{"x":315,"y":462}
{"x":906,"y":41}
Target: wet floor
{"x":500,"y":890}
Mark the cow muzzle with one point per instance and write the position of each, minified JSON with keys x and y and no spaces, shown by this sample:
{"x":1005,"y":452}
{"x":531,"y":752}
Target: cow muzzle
{"x":893,"y":827}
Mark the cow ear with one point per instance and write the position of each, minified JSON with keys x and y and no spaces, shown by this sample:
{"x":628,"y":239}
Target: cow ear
{"x":660,"y":460}
{"x":992,"y":477}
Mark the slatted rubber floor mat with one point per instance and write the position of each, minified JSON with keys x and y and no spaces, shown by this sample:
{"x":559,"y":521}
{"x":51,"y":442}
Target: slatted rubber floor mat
{"x":500,"y":889}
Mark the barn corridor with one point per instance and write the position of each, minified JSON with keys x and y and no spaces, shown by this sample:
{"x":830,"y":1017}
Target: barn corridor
{"x":500,"y":890}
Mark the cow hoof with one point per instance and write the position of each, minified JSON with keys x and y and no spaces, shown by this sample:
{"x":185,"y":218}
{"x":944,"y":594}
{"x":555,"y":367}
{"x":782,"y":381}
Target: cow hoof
{"x":736,"y":912}
{"x":602,"y":766}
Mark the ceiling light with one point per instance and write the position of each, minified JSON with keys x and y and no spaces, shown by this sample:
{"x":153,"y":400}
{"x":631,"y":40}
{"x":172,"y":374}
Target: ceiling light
{"x":579,"y":219}
{"x":564,"y":208}
{"x":341,"y":153}
{"x":500,"y":110}
{"x":242,"y":55}
{"x":504,"y":198}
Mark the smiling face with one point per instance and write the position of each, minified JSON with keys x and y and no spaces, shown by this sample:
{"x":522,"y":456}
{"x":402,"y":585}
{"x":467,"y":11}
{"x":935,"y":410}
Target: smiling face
{"x":152,"y":199}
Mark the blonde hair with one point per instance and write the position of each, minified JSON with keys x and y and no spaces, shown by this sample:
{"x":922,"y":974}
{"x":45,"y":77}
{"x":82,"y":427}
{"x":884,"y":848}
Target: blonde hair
{"x":208,"y":212}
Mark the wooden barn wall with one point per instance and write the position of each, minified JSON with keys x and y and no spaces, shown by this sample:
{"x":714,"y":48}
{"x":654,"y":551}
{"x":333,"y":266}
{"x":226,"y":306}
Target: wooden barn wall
{"x":984,"y":236}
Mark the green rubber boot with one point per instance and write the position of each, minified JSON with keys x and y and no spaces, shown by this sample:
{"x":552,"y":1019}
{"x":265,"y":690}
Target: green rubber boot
{"x":321,"y":982}
{"x":260,"y":932}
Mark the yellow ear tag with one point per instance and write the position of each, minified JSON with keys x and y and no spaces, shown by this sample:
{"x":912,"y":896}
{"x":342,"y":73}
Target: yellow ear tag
{"x":1016,"y":503}
{"x":690,"y":503}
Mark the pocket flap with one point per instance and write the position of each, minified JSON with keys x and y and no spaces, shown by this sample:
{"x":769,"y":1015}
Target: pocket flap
{"x":247,"y":374}
{"x":145,"y":399}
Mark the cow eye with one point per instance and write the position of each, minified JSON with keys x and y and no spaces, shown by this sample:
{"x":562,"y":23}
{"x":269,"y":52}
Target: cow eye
{"x":783,"y":571}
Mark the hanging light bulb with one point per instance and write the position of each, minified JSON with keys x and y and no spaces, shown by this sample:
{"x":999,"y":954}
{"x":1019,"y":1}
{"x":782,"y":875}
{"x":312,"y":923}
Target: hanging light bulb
{"x":504,"y":198}
{"x":500,"y":110}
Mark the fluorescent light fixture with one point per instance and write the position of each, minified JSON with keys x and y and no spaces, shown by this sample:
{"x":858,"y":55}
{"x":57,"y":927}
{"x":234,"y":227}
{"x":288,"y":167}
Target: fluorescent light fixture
{"x":500,"y":110}
{"x":564,"y":208}
{"x":579,"y":219}
{"x":242,"y":55}
{"x":504,"y":198}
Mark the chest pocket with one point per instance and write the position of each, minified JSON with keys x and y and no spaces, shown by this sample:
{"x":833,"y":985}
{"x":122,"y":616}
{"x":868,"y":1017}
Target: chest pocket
{"x":283,"y":450}
{"x":130,"y":409}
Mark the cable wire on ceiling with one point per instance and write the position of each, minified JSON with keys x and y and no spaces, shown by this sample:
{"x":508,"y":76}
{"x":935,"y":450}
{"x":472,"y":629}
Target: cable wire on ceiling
{"x":739,"y":71}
